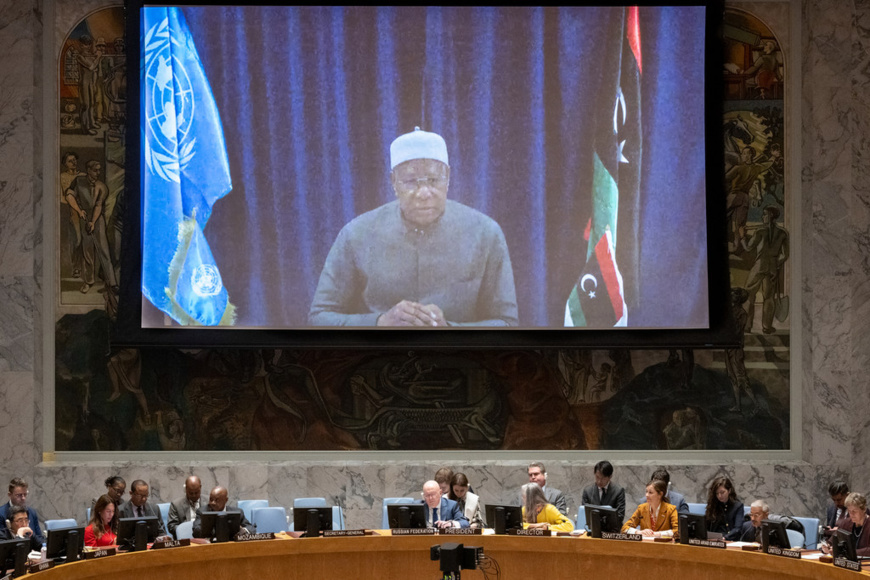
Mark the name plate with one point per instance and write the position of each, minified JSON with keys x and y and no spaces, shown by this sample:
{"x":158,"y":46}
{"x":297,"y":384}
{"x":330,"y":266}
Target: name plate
{"x":784,"y":553}
{"x":529,"y":532}
{"x":40,"y":567}
{"x":413,"y":531}
{"x":621,"y":536}
{"x":342,"y":533}
{"x":254,"y":537}
{"x":847,"y":564}
{"x":707,"y":543}
{"x":163,"y":544}
{"x":460,"y":532}
{"x":101,"y":553}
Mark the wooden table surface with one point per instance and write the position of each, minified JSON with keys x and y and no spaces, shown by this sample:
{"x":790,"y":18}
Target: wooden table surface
{"x":407,"y":557}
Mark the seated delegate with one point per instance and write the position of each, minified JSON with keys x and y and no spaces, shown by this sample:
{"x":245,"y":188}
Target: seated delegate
{"x":540,"y":514}
{"x":724,"y":512}
{"x":468,"y":502}
{"x":18,"y":521}
{"x":656,"y":517}
{"x":103,"y":527}
{"x":856,"y":524}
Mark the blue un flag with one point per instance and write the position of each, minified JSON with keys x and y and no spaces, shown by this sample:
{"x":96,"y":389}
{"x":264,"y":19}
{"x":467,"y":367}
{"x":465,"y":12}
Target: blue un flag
{"x":185,"y":170}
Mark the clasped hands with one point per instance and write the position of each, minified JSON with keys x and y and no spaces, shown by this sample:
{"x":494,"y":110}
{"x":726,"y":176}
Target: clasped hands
{"x":408,"y":313}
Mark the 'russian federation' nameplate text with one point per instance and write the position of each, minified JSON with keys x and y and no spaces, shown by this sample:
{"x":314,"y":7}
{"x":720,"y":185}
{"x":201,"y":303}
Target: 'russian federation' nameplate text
{"x":413,"y":531}
{"x":620,"y":536}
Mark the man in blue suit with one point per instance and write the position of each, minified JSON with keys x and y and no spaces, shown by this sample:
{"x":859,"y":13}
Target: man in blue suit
{"x":838,"y":491}
{"x":676,"y":499}
{"x":440,"y":511}
{"x":18,"y":496}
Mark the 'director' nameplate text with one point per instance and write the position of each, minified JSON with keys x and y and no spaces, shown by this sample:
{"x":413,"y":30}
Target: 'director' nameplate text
{"x":847,"y":564}
{"x":707,"y":543}
{"x":460,"y":531}
{"x":413,"y":531}
{"x":102,"y":553}
{"x":254,"y":537}
{"x":342,"y":533}
{"x":529,"y":532}
{"x":163,"y":544}
{"x":621,"y":536}
{"x":784,"y":553}
{"x":40,"y":567}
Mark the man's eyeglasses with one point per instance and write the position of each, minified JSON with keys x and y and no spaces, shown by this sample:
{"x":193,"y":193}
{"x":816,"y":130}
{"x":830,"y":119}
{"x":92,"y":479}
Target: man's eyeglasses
{"x":414,"y":185}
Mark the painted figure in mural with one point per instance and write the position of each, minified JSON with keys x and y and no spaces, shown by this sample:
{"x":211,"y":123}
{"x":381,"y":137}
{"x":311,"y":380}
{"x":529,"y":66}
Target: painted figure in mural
{"x":88,"y":60}
{"x":603,"y":383}
{"x":70,"y":164}
{"x":684,"y":363}
{"x":170,"y":432}
{"x":116,"y":66}
{"x":102,"y":73}
{"x":86,"y":196}
{"x":765,"y":70}
{"x":737,"y":136}
{"x":738,"y":181}
{"x":734,"y":357}
{"x":422,"y":260}
{"x":684,"y":430}
{"x":770,"y":243}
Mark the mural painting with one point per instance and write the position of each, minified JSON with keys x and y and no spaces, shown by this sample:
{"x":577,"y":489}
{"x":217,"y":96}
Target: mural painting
{"x":280,"y":399}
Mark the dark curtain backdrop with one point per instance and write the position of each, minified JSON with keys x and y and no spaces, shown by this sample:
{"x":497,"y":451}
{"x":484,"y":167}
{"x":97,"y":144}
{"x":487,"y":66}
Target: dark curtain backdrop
{"x":310,"y":99}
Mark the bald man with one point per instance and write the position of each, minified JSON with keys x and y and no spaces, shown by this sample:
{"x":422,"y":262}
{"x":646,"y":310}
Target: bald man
{"x":440,"y":511}
{"x":217,"y":502}
{"x":184,"y":509}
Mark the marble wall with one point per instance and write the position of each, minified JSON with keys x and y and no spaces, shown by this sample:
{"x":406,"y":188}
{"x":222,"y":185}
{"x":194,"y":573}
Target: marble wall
{"x":830,"y":241}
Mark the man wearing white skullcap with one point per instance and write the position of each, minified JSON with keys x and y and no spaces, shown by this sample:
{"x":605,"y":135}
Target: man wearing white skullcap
{"x":422,"y":260}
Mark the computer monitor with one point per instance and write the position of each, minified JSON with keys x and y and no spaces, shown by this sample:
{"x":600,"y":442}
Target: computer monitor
{"x":773,"y":534}
{"x":312,"y":520}
{"x":692,"y":526}
{"x":221,"y":526}
{"x":13,"y":556}
{"x":65,"y":544}
{"x":504,"y":517}
{"x":844,"y":545}
{"x":406,"y":515}
{"x":131,"y":538}
{"x":602,"y":518}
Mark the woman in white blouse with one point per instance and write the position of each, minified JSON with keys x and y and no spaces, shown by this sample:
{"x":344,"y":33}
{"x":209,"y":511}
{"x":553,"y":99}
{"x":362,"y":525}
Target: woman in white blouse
{"x":468,"y":502}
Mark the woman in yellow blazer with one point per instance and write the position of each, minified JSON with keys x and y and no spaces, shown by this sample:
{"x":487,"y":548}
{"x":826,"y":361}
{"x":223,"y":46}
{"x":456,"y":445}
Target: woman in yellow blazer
{"x":656,"y":517}
{"x":537,"y":513}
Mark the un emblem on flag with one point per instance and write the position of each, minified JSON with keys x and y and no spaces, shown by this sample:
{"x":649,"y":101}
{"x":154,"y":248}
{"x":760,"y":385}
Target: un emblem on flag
{"x":206,"y":280}
{"x":169,"y":105}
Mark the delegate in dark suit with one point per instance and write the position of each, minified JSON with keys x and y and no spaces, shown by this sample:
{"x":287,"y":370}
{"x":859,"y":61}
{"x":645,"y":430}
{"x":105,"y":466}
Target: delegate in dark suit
{"x":862,"y":542}
{"x":677,"y":500}
{"x":128,"y":510}
{"x":197,"y":523}
{"x":834,"y":515}
{"x":749,"y":533}
{"x":31,"y":516}
{"x":447,"y":510}
{"x":731,"y":526}
{"x":179,"y":511}
{"x":557,"y":498}
{"x":614,"y":497}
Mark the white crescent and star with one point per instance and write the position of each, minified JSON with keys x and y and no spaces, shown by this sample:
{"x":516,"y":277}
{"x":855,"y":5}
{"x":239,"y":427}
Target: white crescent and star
{"x":591,"y":292}
{"x":619,"y":105}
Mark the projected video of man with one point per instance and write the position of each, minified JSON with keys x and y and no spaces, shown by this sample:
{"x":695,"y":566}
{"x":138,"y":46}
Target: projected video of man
{"x":422,"y":260}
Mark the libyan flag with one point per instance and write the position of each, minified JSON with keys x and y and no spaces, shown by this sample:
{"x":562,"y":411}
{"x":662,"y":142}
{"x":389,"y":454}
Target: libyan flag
{"x":615,"y":187}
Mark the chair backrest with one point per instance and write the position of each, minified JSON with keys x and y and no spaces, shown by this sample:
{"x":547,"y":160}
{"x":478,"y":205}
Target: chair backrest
{"x":309,"y":502}
{"x":580,"y":523}
{"x":184,"y":530}
{"x":57,"y":524}
{"x":246,"y":505}
{"x":811,"y":532}
{"x":388,"y":500}
{"x":795,"y":538}
{"x":697,"y":508}
{"x":337,"y":518}
{"x":88,"y":518}
{"x":269,"y":519}
{"x":164,"y":512}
